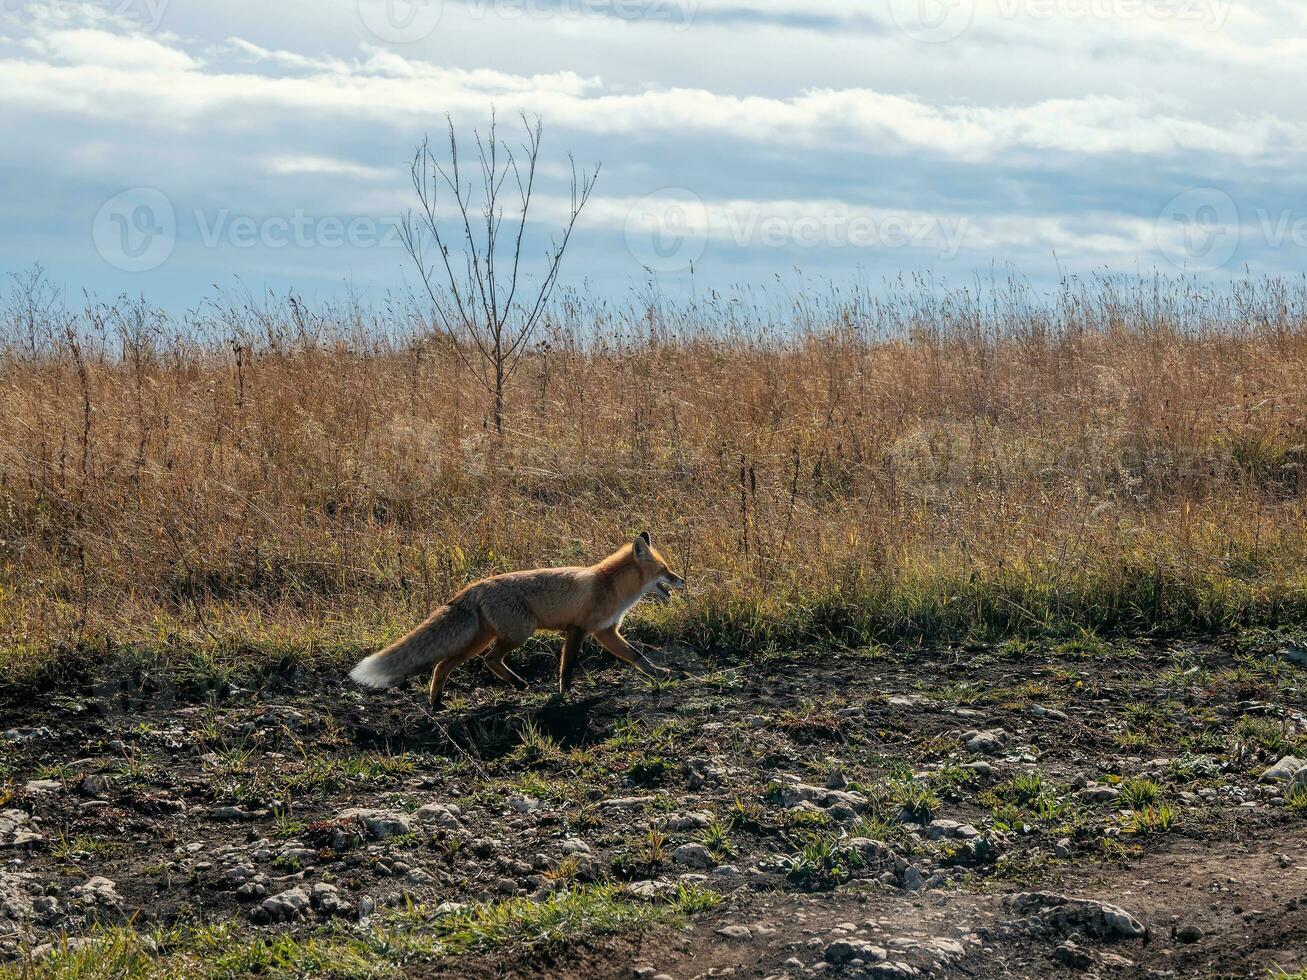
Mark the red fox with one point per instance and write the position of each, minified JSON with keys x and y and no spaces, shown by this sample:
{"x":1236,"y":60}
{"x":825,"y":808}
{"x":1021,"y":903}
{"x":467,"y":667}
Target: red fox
{"x":496,"y":615}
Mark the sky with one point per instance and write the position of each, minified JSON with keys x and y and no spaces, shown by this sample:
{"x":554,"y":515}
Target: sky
{"x":170,"y":147}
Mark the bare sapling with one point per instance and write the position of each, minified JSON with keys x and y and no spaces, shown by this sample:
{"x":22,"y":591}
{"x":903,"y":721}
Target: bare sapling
{"x":476,"y":300}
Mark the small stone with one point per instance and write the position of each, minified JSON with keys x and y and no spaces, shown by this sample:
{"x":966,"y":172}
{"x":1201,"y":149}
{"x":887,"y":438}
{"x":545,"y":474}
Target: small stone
{"x":735,"y":932}
{"x":990,"y":741}
{"x":687,"y":820}
{"x":439,"y":814}
{"x":839,"y":952}
{"x":287,"y":905}
{"x":1073,"y":956}
{"x":695,"y":855}
{"x":1189,"y":934}
{"x":1284,"y":770}
{"x":379,"y":824}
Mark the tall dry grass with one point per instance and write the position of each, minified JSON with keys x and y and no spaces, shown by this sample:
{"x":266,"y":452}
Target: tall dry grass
{"x":260,"y":474}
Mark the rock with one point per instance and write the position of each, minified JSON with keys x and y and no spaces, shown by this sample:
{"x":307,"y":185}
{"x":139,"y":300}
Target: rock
{"x":1073,"y":956}
{"x":1062,"y":849}
{"x":1069,"y":914}
{"x":651,"y":890}
{"x":1299,"y":780}
{"x":835,"y":779}
{"x":989,"y":741}
{"x":20,"y":736}
{"x":700,"y":772}
{"x":525,"y":804}
{"x":980,"y":767}
{"x":687,"y":820}
{"x":379,"y":824}
{"x":950,"y":828}
{"x":1189,"y":934}
{"x":286,"y":906}
{"x":694,"y":855}
{"x":439,"y":814}
{"x":574,"y":845}
{"x":98,"y":892}
{"x":37,"y":787}
{"x":912,"y":879}
{"x":93,"y":784}
{"x":895,"y":970}
{"x":839,"y":952}
{"x":18,"y":829}
{"x":1295,"y":654}
{"x":842,"y":814}
{"x":1284,"y":770}
{"x":327,"y":899}
{"x":1098,"y":794}
{"x":230,"y":813}
{"x":1039,"y":711}
{"x":741,"y":933}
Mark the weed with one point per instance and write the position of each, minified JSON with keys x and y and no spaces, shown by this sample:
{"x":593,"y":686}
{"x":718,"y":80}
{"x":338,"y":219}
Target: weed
{"x":821,"y":862}
{"x":1139,"y":792}
{"x":1152,"y":820}
{"x":917,"y":800}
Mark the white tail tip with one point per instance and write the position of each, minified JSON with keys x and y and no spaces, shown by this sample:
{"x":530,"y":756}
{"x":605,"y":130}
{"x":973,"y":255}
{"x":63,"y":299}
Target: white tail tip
{"x":371,"y":672}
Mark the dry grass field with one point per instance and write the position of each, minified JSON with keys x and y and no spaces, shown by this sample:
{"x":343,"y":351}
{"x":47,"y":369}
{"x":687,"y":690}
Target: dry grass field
{"x":258,"y":475}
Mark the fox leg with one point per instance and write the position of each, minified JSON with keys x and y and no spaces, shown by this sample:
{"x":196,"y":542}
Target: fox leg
{"x":446,"y":666}
{"x":571,"y":651}
{"x":495,"y":662}
{"x":614,"y":643}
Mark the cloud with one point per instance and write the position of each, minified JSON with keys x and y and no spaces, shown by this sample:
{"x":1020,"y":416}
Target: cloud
{"x":289,"y":164}
{"x":135,"y":79}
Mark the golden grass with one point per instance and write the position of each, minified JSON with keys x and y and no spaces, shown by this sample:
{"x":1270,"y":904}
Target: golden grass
{"x":1120,"y":455}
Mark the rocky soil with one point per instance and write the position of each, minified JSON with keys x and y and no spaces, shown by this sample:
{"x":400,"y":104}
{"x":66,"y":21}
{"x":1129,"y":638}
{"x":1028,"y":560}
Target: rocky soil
{"x":1021,"y":810}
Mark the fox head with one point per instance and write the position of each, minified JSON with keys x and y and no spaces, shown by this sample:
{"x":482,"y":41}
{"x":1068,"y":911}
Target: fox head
{"x":660,"y":580}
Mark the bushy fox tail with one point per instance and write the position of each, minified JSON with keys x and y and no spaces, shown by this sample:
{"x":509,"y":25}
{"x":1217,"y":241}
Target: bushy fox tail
{"x":445,"y":632}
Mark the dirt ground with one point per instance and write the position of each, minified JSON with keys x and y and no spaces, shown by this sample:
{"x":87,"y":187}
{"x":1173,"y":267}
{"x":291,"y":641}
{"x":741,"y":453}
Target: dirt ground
{"x":879,"y":812}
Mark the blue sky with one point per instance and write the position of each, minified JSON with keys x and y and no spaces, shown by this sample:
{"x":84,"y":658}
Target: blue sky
{"x":166,"y":147}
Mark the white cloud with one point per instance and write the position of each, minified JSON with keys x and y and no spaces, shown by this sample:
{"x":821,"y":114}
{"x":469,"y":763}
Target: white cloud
{"x":110,"y":49}
{"x":142,"y":80}
{"x":307,"y":164}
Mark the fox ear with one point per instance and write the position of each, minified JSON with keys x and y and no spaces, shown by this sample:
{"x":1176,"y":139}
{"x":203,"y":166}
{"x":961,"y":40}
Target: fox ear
{"x":641,"y":546}
{"x":645,"y":535}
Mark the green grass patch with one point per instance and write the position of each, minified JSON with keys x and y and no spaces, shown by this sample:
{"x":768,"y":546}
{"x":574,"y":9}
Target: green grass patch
{"x":403,"y":939}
